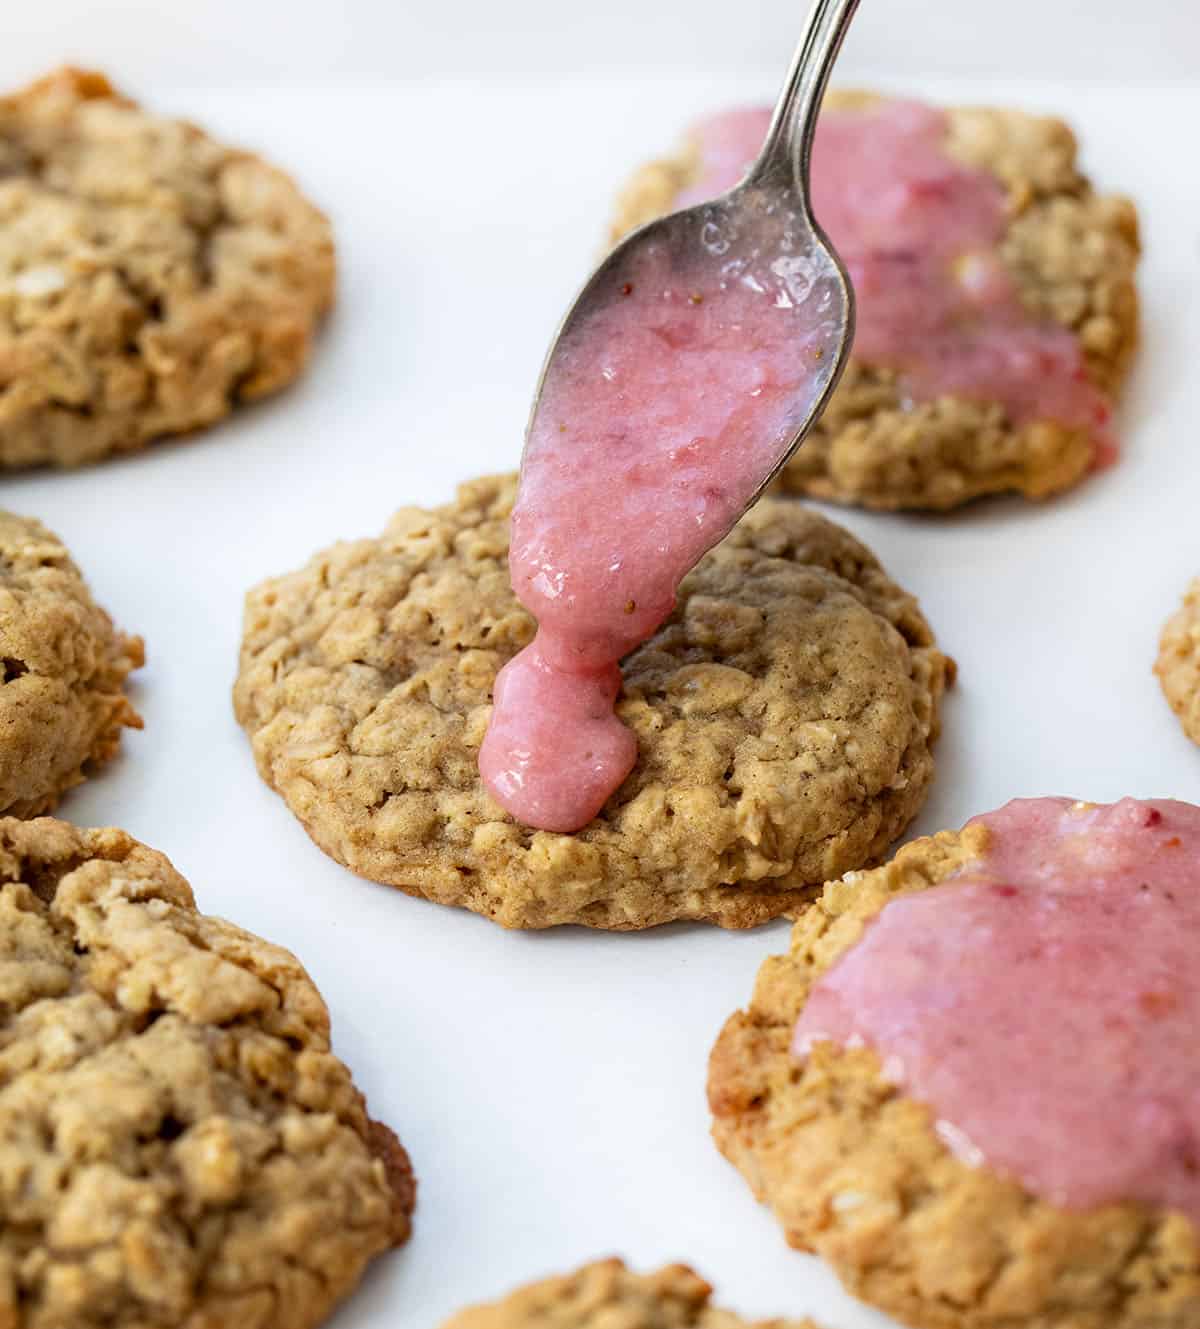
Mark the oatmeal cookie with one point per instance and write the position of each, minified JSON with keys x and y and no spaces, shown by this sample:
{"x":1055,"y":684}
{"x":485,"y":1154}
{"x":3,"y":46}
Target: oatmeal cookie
{"x":1072,"y":253}
{"x":150,"y":278}
{"x":784,"y":715}
{"x":62,"y":670}
{"x":855,"y":1171}
{"x":178,"y":1144}
{"x":1178,"y":664}
{"x":606,"y":1294}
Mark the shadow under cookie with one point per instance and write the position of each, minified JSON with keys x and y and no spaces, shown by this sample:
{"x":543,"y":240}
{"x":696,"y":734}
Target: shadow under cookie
{"x":150,"y":277}
{"x":1070,"y":253}
{"x":907,"y":1206}
{"x":784,"y":716}
{"x":178,"y":1144}
{"x":606,"y":1295}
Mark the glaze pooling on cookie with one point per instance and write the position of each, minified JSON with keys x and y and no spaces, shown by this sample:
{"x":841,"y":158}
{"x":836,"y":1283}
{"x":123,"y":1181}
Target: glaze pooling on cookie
{"x":1071,"y":254}
{"x":661,"y":415}
{"x":1044,"y":1002}
{"x":179,"y":1146}
{"x":855,"y":1170}
{"x":919,"y":234}
{"x":785,"y":715}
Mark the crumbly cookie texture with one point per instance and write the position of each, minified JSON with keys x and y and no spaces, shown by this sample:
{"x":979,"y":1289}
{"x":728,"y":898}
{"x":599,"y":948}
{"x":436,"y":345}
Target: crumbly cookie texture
{"x":854,"y":1171}
{"x":62,"y":670}
{"x":1073,"y":253}
{"x":1178,"y":664}
{"x":606,"y":1295}
{"x":150,"y":278}
{"x":784,"y":716}
{"x":178,"y":1145}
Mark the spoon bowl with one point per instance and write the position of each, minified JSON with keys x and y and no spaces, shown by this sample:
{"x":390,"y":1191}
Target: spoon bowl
{"x":758,"y":240}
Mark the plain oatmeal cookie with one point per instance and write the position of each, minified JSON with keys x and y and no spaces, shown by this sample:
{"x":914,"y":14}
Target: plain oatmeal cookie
{"x":1073,"y":253}
{"x":784,"y":717}
{"x":853,"y":1170}
{"x":62,"y":672}
{"x":150,"y":278}
{"x":1178,"y":665}
{"x":606,"y":1295}
{"x":179,"y":1147}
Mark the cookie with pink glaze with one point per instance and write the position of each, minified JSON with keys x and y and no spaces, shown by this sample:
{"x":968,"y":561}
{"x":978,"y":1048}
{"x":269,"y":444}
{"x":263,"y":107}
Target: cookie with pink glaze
{"x":606,"y":1295}
{"x":784,"y":715}
{"x":1062,"y":257}
{"x":972,"y":1084}
{"x":1178,"y":664}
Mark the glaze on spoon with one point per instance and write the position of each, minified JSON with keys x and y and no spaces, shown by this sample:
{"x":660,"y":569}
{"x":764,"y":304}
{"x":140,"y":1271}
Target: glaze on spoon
{"x":686,"y":373}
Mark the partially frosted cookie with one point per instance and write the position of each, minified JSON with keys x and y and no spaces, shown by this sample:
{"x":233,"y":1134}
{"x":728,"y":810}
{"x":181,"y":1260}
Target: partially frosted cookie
{"x":997,"y":313}
{"x":606,"y":1295}
{"x":62,"y":672}
{"x":179,"y":1147}
{"x":784,"y":717}
{"x":973,"y":1084}
{"x":1178,"y":664}
{"x":150,"y":278}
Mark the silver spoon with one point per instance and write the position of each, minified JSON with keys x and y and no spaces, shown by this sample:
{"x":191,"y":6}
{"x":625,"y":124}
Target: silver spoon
{"x":765,"y":224}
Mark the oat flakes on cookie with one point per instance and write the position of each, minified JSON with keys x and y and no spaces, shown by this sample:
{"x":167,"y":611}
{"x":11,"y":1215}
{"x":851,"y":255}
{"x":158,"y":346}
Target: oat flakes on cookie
{"x":150,"y":278}
{"x":997,"y":309}
{"x":179,"y":1147}
{"x":606,"y":1295}
{"x":1178,"y":664}
{"x":62,"y":672}
{"x":784,"y":716}
{"x":973,"y":1085}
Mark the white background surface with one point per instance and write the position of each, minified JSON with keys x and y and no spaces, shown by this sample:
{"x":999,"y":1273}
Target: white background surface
{"x":550,"y":1087}
{"x":221,"y":42}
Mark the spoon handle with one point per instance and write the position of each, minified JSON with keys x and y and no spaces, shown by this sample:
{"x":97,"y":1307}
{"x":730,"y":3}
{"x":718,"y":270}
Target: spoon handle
{"x":787,"y":152}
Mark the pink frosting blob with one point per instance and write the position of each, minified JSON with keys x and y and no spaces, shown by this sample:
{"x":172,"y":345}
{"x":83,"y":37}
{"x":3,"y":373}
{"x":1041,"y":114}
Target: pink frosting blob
{"x":919,"y":235}
{"x":1044,"y":1002}
{"x":660,"y":417}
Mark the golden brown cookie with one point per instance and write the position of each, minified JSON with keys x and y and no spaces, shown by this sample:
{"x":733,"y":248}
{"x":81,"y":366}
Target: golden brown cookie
{"x":605,"y":1295}
{"x":855,"y":1172}
{"x":150,"y":278}
{"x":62,"y":670}
{"x":179,"y":1147}
{"x":784,"y":716}
{"x":1178,"y":664}
{"x":1073,"y":253}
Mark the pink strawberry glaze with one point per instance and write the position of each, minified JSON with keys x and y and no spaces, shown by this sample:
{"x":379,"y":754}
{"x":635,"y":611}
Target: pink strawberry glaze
{"x":1045,"y":1002}
{"x":918,"y":234}
{"x":662,"y":417}
{"x":659,"y":419}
